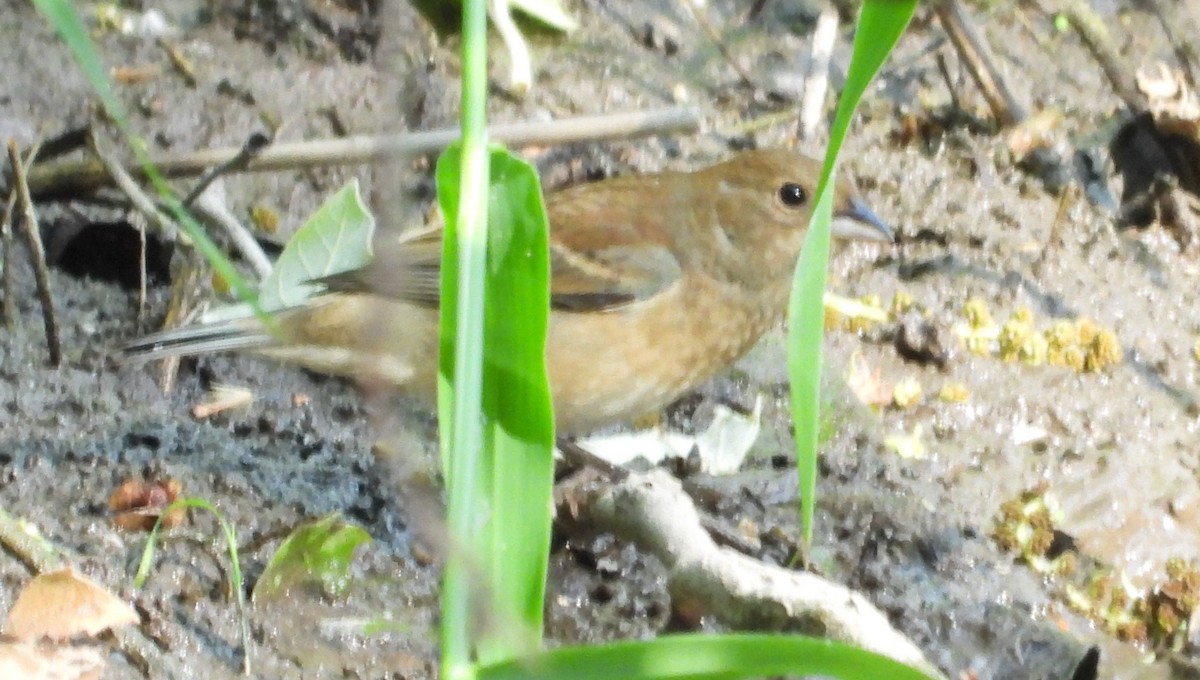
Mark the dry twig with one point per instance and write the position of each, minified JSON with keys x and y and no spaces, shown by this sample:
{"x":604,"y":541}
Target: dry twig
{"x":816,"y":83}
{"x":1092,"y":31}
{"x":6,"y":244}
{"x":253,"y":147}
{"x":37,"y":150}
{"x":698,"y":13}
{"x":72,"y":180}
{"x":138,"y":220}
{"x":652,"y":510}
{"x":980,"y":62}
{"x":1054,"y":240}
{"x":141,"y":201}
{"x":185,"y":291}
{"x":211,"y":205}
{"x":37,"y":252}
{"x":581,"y":459}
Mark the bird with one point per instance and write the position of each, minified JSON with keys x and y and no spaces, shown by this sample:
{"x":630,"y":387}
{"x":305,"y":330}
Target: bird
{"x":657,"y":283}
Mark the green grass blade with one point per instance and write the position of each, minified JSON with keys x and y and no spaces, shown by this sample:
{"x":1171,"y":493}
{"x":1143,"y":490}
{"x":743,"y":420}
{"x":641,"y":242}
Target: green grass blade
{"x":704,"y":656}
{"x":880,"y":25}
{"x":460,"y":395}
{"x":235,"y":564}
{"x":494,"y":403}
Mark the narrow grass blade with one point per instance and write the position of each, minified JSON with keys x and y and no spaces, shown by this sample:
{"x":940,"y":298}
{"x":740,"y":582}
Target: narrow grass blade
{"x":462,"y":175}
{"x":880,"y":25}
{"x":235,"y":565}
{"x":462,"y":187}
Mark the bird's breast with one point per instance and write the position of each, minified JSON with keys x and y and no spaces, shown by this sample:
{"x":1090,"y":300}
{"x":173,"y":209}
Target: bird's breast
{"x":614,"y":366}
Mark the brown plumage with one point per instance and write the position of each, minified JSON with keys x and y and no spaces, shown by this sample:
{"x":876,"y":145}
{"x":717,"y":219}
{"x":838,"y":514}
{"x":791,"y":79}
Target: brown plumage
{"x":657,"y":283}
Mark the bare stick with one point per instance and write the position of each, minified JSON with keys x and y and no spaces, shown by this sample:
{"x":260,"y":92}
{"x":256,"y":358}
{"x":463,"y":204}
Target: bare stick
{"x":37,"y":252}
{"x":980,"y":62}
{"x":698,"y":13}
{"x":30,"y":547}
{"x":944,"y":69}
{"x":181,"y":63}
{"x":125,"y":182}
{"x":652,"y":510}
{"x":211,"y":205}
{"x":9,"y":302}
{"x":816,"y":83}
{"x":253,"y":147}
{"x":139,"y":221}
{"x":70,"y":180}
{"x":1054,"y":240}
{"x":6,"y":243}
{"x":579,"y":457}
{"x":185,"y":285}
{"x":1095,"y":37}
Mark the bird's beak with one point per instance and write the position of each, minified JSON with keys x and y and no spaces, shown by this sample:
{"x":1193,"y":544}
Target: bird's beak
{"x":856,"y":221}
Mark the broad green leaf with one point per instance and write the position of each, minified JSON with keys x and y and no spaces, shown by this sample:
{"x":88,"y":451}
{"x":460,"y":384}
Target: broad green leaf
{"x":335,"y":238}
{"x":704,"y":656}
{"x":516,"y":393}
{"x":515,"y":455}
{"x":317,"y":552}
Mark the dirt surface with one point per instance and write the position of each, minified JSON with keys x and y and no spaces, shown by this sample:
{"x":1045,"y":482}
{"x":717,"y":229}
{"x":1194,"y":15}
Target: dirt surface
{"x":1115,"y":447}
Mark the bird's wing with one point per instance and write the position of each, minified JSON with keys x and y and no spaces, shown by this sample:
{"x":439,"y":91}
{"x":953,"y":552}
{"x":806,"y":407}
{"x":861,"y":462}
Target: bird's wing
{"x":407,"y":268}
{"x":598,"y":259}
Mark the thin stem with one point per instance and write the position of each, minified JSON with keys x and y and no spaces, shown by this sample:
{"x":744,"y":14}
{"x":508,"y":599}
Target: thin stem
{"x":466,"y":456}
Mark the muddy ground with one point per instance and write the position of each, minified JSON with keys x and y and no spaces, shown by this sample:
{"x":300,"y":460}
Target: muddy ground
{"x":1116,"y":447}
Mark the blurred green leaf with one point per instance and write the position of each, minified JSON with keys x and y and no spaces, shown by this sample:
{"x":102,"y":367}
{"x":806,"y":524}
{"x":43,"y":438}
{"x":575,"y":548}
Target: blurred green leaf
{"x":335,"y":238}
{"x":704,"y":656}
{"x":319,"y":552}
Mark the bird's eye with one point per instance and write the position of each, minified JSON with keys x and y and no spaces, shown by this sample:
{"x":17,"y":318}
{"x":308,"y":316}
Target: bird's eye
{"x":793,"y":195}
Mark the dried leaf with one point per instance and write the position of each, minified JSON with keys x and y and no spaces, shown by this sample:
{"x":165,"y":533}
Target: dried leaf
{"x":62,"y":604}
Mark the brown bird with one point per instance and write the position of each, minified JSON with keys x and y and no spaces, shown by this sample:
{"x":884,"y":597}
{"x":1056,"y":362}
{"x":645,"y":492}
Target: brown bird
{"x":657,"y":283}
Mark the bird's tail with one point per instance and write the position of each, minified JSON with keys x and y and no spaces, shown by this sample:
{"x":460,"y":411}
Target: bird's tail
{"x":334,"y":344}
{"x":218,"y":336}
